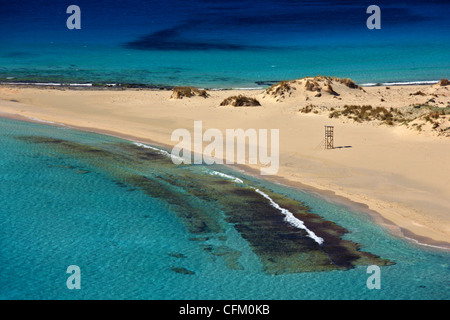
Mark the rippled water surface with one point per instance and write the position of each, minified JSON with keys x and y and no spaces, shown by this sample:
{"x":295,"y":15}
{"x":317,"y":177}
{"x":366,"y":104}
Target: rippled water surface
{"x":140,"y":227}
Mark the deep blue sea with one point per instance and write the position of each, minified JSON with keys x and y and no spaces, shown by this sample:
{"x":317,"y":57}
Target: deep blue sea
{"x":223,"y":44}
{"x":139,"y":227}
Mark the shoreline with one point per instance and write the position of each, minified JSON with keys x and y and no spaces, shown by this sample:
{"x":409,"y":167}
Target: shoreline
{"x":261,"y":85}
{"x":351,"y":205}
{"x":148,"y":116}
{"x":326,"y":195}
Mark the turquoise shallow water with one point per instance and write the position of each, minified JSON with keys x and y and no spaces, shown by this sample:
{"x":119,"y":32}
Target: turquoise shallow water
{"x":58,"y":209}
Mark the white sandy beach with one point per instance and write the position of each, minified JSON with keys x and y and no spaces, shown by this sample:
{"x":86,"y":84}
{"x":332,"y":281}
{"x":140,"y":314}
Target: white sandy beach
{"x":398,"y":171}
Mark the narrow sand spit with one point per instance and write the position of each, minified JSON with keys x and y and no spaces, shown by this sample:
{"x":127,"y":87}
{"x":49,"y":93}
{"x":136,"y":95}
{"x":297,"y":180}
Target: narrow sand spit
{"x":392,"y":146}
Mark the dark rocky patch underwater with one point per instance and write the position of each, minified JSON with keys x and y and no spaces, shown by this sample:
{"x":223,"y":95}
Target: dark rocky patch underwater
{"x":207,"y":204}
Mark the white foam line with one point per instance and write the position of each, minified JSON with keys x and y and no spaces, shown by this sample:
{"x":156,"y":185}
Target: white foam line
{"x":291,"y":219}
{"x":49,"y":84}
{"x":401,"y":83}
{"x":406,"y":83}
{"x":163,"y":152}
{"x":81,"y":84}
{"x":153,"y":148}
{"x":369,"y":84}
{"x":223,"y":175}
{"x":34,"y":83}
{"x":211,"y":172}
{"x":426,"y":245}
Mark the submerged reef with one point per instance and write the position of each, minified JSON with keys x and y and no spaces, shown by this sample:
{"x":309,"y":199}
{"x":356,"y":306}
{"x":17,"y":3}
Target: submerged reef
{"x":208,"y":203}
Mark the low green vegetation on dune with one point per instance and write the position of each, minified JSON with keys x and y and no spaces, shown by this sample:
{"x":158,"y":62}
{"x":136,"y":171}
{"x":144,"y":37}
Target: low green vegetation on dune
{"x":412,"y":116}
{"x":240,"y":101}
{"x":181,"y":92}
